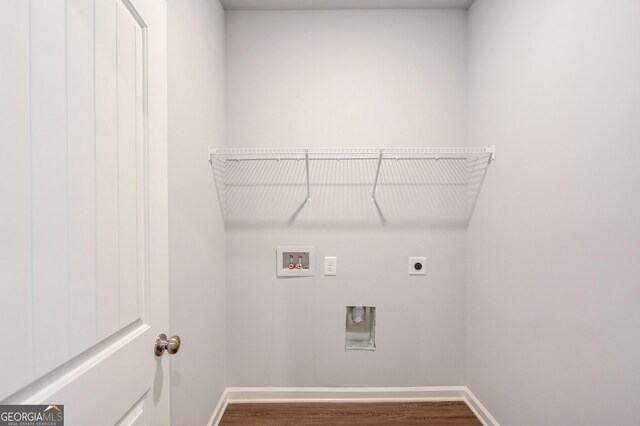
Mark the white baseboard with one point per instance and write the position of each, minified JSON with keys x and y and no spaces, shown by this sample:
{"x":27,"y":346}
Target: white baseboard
{"x":219,"y":410}
{"x":329,"y":394}
{"x":478,"y":409}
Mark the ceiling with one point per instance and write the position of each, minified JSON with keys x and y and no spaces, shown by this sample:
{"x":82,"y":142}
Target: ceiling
{"x":343,"y":4}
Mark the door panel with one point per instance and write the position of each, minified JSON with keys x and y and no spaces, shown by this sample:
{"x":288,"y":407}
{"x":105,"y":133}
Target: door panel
{"x":112,"y":395}
{"x":106,"y":131}
{"x":85,"y":261}
{"x":137,"y":416}
{"x":49,"y":185}
{"x":15,"y":187}
{"x":81,"y":174}
{"x":128,"y":165}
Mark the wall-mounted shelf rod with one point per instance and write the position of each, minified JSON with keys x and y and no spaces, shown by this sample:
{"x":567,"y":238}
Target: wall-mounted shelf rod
{"x":289,"y":154}
{"x":435,"y":158}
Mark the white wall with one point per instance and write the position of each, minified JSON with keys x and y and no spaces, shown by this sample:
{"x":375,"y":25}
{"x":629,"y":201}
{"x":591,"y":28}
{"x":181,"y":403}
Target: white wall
{"x":350,"y":78}
{"x":345,"y":79}
{"x":197,"y":242}
{"x":554,"y":244}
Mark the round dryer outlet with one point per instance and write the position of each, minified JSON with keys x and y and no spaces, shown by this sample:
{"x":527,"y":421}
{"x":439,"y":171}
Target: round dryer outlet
{"x":417,"y":266}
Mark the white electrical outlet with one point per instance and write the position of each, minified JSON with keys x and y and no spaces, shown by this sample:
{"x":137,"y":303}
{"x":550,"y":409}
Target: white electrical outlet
{"x":417,"y":266}
{"x":330,"y":265}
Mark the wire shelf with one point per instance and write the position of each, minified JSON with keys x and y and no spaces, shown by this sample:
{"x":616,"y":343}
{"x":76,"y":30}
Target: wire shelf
{"x":354,"y":186}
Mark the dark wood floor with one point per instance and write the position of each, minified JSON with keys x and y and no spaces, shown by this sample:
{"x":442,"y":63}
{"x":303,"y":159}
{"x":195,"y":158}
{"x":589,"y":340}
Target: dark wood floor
{"x":336,"y":414}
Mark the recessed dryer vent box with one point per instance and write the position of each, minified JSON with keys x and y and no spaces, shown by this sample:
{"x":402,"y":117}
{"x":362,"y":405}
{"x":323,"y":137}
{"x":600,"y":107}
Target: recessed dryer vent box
{"x":296,"y":261}
{"x":360,"y":333}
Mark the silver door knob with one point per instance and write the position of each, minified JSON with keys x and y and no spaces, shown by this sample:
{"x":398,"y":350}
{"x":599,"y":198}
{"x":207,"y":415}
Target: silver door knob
{"x":171,"y":345}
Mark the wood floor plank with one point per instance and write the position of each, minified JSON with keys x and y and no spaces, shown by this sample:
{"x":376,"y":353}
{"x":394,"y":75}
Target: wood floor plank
{"x":450,"y":413}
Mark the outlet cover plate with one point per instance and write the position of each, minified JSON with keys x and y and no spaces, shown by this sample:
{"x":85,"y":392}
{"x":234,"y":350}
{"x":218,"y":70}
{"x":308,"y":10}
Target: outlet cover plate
{"x":417,"y":266}
{"x":330,"y":265}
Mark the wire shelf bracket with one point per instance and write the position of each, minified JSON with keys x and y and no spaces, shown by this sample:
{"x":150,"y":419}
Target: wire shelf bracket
{"x":375,"y":182}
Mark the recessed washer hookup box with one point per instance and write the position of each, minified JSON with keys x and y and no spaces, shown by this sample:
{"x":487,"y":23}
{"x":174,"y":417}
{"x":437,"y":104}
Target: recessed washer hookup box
{"x":295,"y":261}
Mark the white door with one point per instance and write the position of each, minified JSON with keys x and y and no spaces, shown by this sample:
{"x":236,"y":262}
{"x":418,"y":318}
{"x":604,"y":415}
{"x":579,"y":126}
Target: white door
{"x":83,"y":215}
